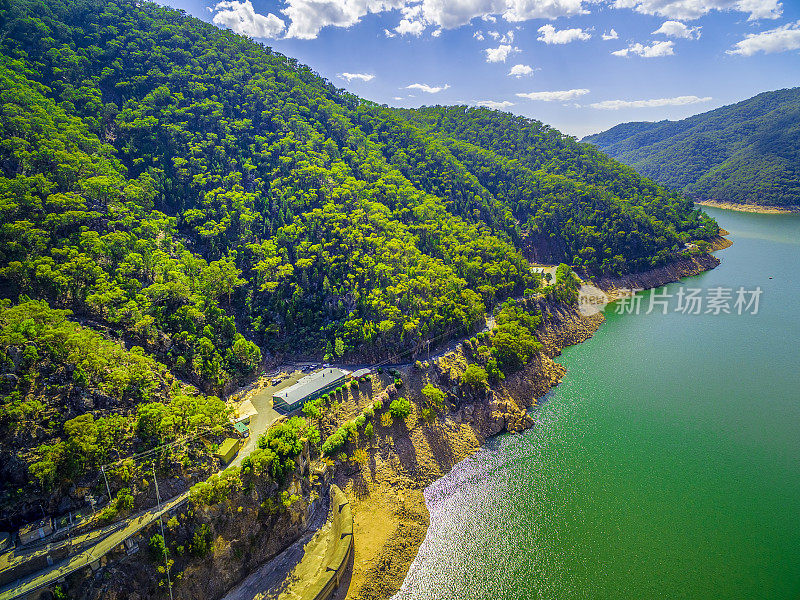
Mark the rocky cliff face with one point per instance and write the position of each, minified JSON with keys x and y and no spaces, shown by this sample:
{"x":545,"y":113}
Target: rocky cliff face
{"x":684,"y":267}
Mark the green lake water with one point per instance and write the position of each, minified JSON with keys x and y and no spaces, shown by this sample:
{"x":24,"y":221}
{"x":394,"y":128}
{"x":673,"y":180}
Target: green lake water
{"x":666,"y":464}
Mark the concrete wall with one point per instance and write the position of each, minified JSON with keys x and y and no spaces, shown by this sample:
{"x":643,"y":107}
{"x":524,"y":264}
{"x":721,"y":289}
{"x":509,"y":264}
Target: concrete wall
{"x":338,"y":554}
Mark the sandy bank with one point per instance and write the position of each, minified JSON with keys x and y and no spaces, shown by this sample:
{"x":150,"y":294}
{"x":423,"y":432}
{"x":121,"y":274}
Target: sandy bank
{"x":751,"y":208}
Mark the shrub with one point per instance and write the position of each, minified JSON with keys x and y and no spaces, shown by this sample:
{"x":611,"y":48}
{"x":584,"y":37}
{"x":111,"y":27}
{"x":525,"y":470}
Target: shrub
{"x":157,"y":548}
{"x":378,"y":404}
{"x":312,"y":409}
{"x":368,"y":430}
{"x":360,"y":456}
{"x":201,"y":541}
{"x":107,"y":514}
{"x":122,"y":503}
{"x":434,"y":395}
{"x":400,"y":408}
{"x":475,"y":376}
{"x":494,"y":372}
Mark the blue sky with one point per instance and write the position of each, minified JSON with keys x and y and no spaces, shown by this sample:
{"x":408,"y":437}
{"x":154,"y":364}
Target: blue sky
{"x":579,"y":65}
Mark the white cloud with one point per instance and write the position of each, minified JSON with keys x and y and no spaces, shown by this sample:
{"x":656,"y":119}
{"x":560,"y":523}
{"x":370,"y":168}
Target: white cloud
{"x":399,"y":98}
{"x":360,"y":76}
{"x":428,"y":89}
{"x":611,"y":35}
{"x":654,"y":103}
{"x":389,"y":34}
{"x":654,"y":50}
{"x":551,"y":35}
{"x":694,"y":9}
{"x":677,"y":29}
{"x":523,"y":10}
{"x":520,"y":71}
{"x":437,"y":33}
{"x":407,"y":27}
{"x":242,"y":18}
{"x":561,"y":95}
{"x":499,"y":54}
{"x":779,"y":39}
{"x":308,"y":17}
{"x":495,"y":105}
{"x":478,"y":35}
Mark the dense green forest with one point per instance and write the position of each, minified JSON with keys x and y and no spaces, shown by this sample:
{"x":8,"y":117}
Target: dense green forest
{"x":747,"y":152}
{"x":178,"y":202}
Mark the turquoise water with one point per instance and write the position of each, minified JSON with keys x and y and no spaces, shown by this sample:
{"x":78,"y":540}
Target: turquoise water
{"x":666,"y":464}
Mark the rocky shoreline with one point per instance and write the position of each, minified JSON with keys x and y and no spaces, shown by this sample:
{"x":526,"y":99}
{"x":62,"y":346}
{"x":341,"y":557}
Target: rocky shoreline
{"x":391,"y":518}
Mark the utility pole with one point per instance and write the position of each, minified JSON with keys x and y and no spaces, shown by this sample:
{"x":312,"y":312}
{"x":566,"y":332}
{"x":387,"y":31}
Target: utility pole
{"x":108,"y":489}
{"x":161,"y":520}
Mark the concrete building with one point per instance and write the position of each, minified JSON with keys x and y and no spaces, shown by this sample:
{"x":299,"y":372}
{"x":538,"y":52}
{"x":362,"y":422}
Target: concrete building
{"x":228,"y":450}
{"x":35,"y":531}
{"x":360,"y":373}
{"x":308,"y":388}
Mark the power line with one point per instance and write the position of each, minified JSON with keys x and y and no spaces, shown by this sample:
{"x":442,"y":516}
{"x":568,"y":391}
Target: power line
{"x":163,"y":537}
{"x":159,"y":447}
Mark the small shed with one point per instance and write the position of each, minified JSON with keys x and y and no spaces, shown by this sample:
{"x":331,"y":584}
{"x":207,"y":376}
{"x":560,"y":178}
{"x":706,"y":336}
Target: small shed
{"x":35,"y":531}
{"x":241,"y":428}
{"x":360,"y":373}
{"x":228,"y":449}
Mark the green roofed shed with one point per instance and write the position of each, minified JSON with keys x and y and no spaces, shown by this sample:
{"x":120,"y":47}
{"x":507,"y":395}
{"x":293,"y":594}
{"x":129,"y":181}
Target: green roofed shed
{"x":241,"y":428}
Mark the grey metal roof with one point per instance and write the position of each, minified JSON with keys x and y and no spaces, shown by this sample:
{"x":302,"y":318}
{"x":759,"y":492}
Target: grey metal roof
{"x":309,"y":384}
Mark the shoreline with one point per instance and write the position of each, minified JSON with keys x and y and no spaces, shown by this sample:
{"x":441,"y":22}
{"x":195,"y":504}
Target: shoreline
{"x":750,"y":208}
{"x":387,"y":494}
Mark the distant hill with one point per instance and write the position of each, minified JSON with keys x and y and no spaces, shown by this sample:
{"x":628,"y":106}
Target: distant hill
{"x":747,"y":152}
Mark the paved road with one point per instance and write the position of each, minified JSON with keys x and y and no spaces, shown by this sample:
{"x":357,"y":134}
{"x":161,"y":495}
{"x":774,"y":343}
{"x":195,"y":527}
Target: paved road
{"x":49,"y":576}
{"x":22,"y":555}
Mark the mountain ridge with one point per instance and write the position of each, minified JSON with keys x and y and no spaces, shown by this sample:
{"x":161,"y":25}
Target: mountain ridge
{"x":745,"y":153}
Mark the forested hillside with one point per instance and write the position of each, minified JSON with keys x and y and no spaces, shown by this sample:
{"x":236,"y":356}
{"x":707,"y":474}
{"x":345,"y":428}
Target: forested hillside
{"x":203,"y":202}
{"x":744,"y":153}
